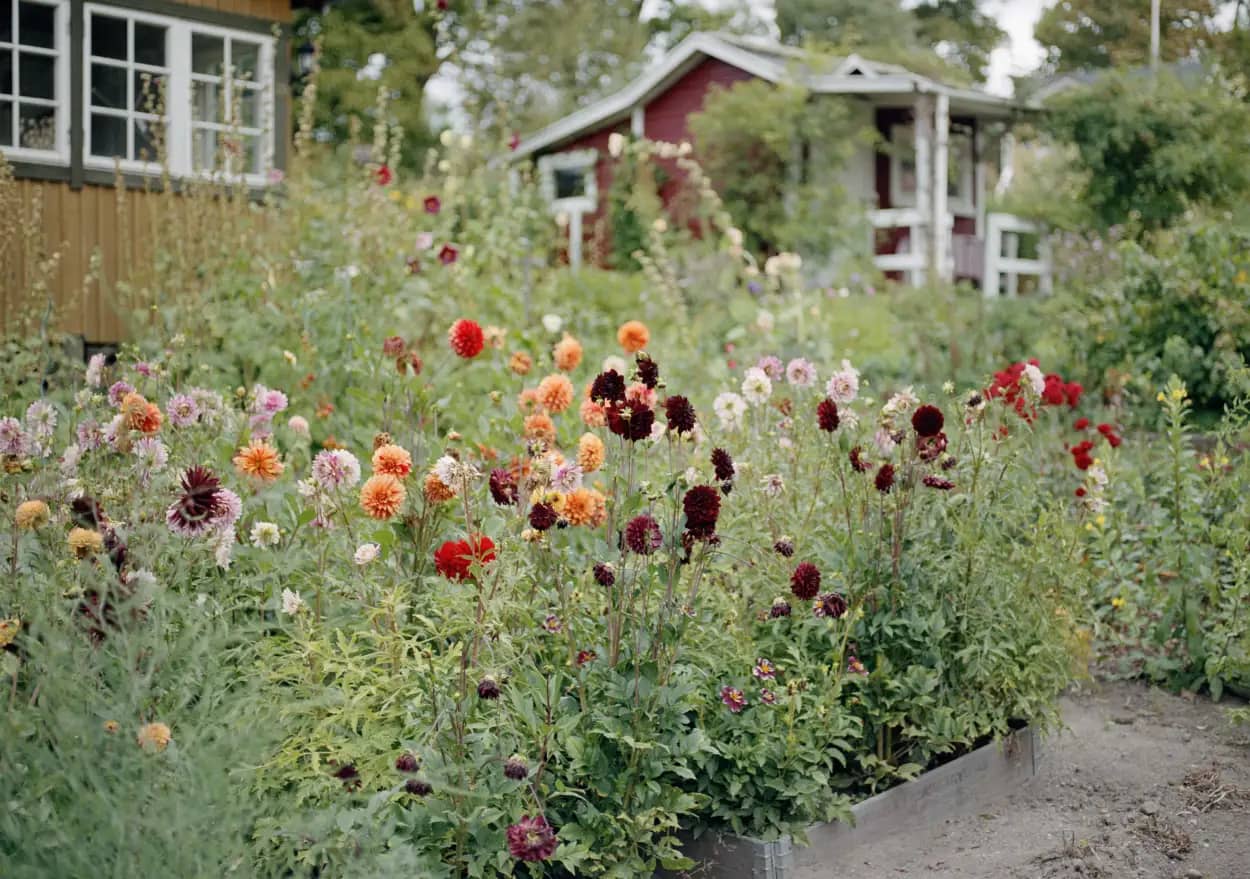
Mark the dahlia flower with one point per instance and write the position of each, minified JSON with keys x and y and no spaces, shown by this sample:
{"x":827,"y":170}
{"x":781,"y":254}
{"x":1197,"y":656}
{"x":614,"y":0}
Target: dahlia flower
{"x":334,"y":469}
{"x":805,"y":581}
{"x":382,"y":495}
{"x":465,"y":338}
{"x":633,"y":336}
{"x":801,"y":373}
{"x":643,"y":535}
{"x":756,"y":386}
{"x":532,"y":839}
{"x":843,"y":385}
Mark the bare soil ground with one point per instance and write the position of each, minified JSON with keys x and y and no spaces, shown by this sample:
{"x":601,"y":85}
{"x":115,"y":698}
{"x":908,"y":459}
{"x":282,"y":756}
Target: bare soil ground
{"x":1141,"y":785}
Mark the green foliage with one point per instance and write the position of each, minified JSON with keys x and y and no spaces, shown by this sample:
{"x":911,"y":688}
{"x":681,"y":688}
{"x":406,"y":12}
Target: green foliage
{"x":1085,"y":34}
{"x":1149,"y":150}
{"x":774,"y":154}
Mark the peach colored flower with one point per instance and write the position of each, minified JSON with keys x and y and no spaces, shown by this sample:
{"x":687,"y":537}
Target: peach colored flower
{"x":260,"y":461}
{"x":590,"y":453}
{"x":593,"y":415}
{"x":437,"y":491}
{"x":585,"y":506}
{"x":640,"y":393}
{"x":527,"y":400}
{"x":520,"y":363}
{"x":393,"y":460}
{"x":540,"y":426}
{"x":555,"y":392}
{"x":382,"y":495}
{"x":633,"y":336}
{"x":567,"y":353}
{"x":154,"y":736}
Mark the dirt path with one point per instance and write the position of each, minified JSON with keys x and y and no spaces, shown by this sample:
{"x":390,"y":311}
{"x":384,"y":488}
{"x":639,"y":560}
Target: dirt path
{"x":1142,"y":785}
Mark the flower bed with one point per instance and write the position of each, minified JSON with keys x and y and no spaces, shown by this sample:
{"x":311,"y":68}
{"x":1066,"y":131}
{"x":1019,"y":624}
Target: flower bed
{"x":535,"y":633}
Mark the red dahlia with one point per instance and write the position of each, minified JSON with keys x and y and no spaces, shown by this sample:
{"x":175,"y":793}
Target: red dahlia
{"x":927,"y":421}
{"x":431,"y":204}
{"x":827,"y":415}
{"x":939,"y":483}
{"x":465,"y":338}
{"x":407,"y":762}
{"x":532,"y":839}
{"x":648,"y":370}
{"x":681,"y":417}
{"x":859,"y":463}
{"x":702,"y":508}
{"x":805,"y":581}
{"x":784,"y":548}
{"x":831,"y":605}
{"x":448,"y":254}
{"x":608,"y":387}
{"x":642,"y":535}
{"x":418,"y":787}
{"x":884,"y":479}
{"x":503,"y":487}
{"x":542,"y":517}
{"x":631,"y":420}
{"x":723,"y":465}
{"x":455,"y":558}
{"x":604,"y":573}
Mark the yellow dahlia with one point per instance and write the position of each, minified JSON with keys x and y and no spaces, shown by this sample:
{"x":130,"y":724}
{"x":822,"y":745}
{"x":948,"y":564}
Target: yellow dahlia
{"x":84,"y":542}
{"x":32,"y":514}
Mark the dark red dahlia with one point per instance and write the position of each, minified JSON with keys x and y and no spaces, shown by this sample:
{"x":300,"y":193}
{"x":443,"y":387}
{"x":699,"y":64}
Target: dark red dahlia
{"x":831,"y":605}
{"x":805,"y":581}
{"x":927,"y":421}
{"x":608,"y":387}
{"x":349,"y":775}
{"x":827,"y":415}
{"x":455,"y":558}
{"x":681,"y":417}
{"x":383,"y":175}
{"x":604,"y":574}
{"x":1081,"y":424}
{"x":884,"y":480}
{"x":930,"y":448}
{"x":631,"y":420}
{"x":784,"y":548}
{"x":116,"y":548}
{"x":199,"y":502}
{"x":642,"y":535}
{"x":723,"y":465}
{"x":488,"y":688}
{"x":418,"y":787}
{"x":516,"y":768}
{"x":532,"y":839}
{"x":448,"y":254}
{"x":431,"y":204}
{"x":407,"y":762}
{"x":780,"y":608}
{"x":939,"y":483}
{"x":585,"y":656}
{"x":648,"y":370}
{"x":702,"y":508}
{"x":859,"y":463}
{"x":86,"y":512}
{"x":542,"y":517}
{"x":466,"y":337}
{"x":503,"y":487}
{"x":394,"y":346}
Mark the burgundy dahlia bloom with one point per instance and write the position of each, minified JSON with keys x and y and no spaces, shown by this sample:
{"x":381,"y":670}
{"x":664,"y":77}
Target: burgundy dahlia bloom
{"x":805,"y":581}
{"x":642,"y":535}
{"x":407,"y":762}
{"x":939,"y":483}
{"x":201,"y":499}
{"x":927,"y":420}
{"x":723,"y":465}
{"x":503,"y":487}
{"x":532,"y":839}
{"x":418,"y":787}
{"x":884,"y":480}
{"x":516,"y":768}
{"x":86,"y":512}
{"x":604,"y":574}
{"x":831,"y":605}
{"x":542,"y":517}
{"x":488,"y":688}
{"x":648,"y":370}
{"x":733,"y":699}
{"x":859,"y":463}
{"x":780,"y":608}
{"x":349,"y":775}
{"x":827,"y":415}
{"x":608,"y":387}
{"x":702,"y":508}
{"x":681,"y":417}
{"x":631,"y":420}
{"x":784,"y":548}
{"x":930,"y":448}
{"x":393,"y":346}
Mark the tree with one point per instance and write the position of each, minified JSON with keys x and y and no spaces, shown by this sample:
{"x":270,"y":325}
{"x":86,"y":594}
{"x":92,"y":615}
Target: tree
{"x":961,"y":32}
{"x":1084,"y":34}
{"x":1149,"y":149}
{"x":847,"y":23}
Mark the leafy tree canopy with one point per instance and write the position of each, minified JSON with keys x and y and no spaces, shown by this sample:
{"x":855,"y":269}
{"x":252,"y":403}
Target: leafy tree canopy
{"x":1084,"y":34}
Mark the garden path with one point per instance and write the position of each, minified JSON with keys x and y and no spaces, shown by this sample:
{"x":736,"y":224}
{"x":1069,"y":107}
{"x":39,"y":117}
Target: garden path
{"x":1140,"y":785}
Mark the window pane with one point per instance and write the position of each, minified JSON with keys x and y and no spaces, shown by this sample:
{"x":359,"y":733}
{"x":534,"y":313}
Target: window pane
{"x":150,"y":44}
{"x":245,"y":59}
{"x":108,"y":136}
{"x":206,"y":102}
{"x":108,"y":37}
{"x":252,"y":155}
{"x":6,"y":72}
{"x":149,"y":93}
{"x":36,"y":25}
{"x":38,"y":76}
{"x":6,"y":26}
{"x":203,"y":149}
{"x":36,"y":127}
{"x":208,"y":54}
{"x":146,"y":135}
{"x":570,"y":183}
{"x":108,"y":86}
{"x":249,"y":107}
{"x":6,"y":123}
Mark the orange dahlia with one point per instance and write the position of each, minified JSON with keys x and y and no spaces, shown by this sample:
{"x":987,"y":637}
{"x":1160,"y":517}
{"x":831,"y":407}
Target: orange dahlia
{"x":259,"y":460}
{"x":585,"y":506}
{"x":138,"y":414}
{"x":567,"y":353}
{"x":555,"y":392}
{"x":540,"y":427}
{"x":593,"y":415}
{"x":520,"y":363}
{"x":633,"y":336}
{"x":589,"y":453}
{"x":437,"y":491}
{"x":382,"y":495}
{"x":393,"y":460}
{"x":527,"y":400}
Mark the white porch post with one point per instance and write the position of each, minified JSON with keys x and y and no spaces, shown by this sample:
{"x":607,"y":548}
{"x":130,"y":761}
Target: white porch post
{"x":978,"y":183}
{"x":575,"y":240}
{"x":922,"y":233}
{"x":941,"y":260}
{"x":638,"y":122}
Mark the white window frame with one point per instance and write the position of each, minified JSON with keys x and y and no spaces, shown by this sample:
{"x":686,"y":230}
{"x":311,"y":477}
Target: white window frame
{"x":59,"y":155}
{"x":902,"y":146}
{"x":178,"y":94}
{"x":587,"y":162}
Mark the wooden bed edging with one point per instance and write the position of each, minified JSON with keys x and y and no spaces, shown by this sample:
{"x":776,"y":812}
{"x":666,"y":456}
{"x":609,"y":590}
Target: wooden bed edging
{"x":958,"y":788}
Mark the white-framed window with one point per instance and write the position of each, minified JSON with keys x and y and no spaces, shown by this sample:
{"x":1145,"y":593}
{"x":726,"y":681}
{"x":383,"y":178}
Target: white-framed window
{"x":568,"y":181}
{"x":34,"y":80}
{"x":198,"y":95}
{"x":960,"y":176}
